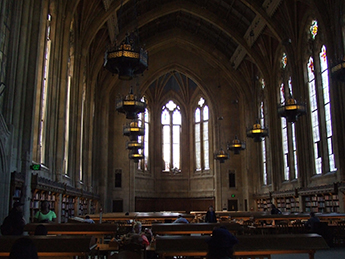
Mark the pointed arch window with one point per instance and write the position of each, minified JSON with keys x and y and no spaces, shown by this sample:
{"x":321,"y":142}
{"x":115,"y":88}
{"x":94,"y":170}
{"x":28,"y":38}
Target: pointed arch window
{"x":201,"y":136}
{"x":171,"y":120}
{"x":314,"y":115}
{"x":320,"y":107}
{"x":327,"y":106}
{"x":288,"y":129}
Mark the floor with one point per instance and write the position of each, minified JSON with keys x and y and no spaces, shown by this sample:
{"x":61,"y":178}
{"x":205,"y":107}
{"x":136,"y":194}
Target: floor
{"x":332,"y":253}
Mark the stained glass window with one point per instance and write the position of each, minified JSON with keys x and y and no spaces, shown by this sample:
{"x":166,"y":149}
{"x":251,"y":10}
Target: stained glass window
{"x":327,"y":106}
{"x":314,"y":115}
{"x":313,"y":29}
{"x":284,"y":60}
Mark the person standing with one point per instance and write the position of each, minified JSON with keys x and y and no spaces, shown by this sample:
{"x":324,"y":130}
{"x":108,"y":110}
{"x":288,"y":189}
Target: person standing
{"x":211,"y":215}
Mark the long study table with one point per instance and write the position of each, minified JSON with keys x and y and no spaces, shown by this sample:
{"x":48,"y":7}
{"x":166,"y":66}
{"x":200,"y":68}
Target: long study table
{"x":247,"y":246}
{"x":74,"y":228}
{"x":51,"y":246}
{"x":192,"y":228}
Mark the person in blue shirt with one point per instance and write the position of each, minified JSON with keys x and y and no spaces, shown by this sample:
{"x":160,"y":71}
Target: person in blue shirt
{"x":181,"y":219}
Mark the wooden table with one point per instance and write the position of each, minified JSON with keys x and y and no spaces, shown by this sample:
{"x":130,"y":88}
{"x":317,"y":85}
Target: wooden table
{"x":74,"y":228}
{"x":247,"y":246}
{"x":51,"y":246}
{"x":192,"y":228}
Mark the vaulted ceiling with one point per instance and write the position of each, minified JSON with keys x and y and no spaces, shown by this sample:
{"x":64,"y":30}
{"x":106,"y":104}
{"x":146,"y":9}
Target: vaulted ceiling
{"x":239,"y":36}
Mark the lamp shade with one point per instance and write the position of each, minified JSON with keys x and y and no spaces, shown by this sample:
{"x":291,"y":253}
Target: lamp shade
{"x":292,"y":110}
{"x":126,"y":60}
{"x":236,"y":145}
{"x":131,"y":106}
{"x":257,"y":132}
{"x":221,"y":156}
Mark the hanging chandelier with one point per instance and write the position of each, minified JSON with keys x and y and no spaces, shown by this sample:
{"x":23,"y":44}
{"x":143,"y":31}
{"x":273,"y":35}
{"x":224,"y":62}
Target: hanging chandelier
{"x":236,"y":145}
{"x":292,"y":110}
{"x":133,"y":130}
{"x":338,"y":71}
{"x":221,"y":156}
{"x":257,"y":132}
{"x":128,"y":59}
{"x":135,"y":156}
{"x":131,"y":106}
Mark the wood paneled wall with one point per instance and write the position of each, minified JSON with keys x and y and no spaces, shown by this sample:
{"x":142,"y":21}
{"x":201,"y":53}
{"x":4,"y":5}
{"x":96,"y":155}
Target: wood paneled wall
{"x":173,"y":204}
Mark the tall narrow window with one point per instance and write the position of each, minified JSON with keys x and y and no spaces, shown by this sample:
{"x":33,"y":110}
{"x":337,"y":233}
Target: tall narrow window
{"x":265,"y":175}
{"x":232,"y":179}
{"x":171,"y":128}
{"x":285,"y":143}
{"x":81,"y":178}
{"x":294,"y":148}
{"x":44,"y":95}
{"x":263,"y":146}
{"x":118,"y":178}
{"x":327,"y":107}
{"x":288,"y":129}
{"x":70,"y":65}
{"x":314,"y":115}
{"x":320,"y":106}
{"x":144,"y":118}
{"x":201,"y":135}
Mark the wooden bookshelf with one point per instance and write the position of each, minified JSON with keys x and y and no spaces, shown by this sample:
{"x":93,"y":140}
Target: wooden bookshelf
{"x":67,"y":207}
{"x":322,"y":203}
{"x":288,"y":204}
{"x":263,"y":204}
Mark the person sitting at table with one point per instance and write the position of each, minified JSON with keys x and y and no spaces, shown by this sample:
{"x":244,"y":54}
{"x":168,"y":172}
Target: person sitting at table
{"x":181,"y":219}
{"x":310,"y":224}
{"x":45,"y":215}
{"x":136,"y":236}
{"x":275,"y":210}
{"x":89,"y":220}
{"x":220,"y":244}
{"x":211,"y":215}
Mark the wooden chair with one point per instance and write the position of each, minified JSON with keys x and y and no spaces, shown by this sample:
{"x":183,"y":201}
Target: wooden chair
{"x":339,"y":234}
{"x":131,"y":251}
